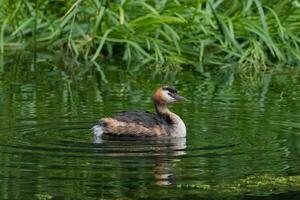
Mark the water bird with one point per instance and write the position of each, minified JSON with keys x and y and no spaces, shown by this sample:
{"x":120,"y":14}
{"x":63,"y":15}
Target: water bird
{"x":146,"y":124}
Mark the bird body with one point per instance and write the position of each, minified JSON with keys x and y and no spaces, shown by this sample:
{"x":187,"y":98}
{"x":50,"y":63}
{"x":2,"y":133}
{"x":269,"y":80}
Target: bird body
{"x":145,"y":124}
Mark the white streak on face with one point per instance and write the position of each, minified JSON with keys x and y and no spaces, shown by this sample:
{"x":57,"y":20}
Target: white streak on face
{"x":166,"y":97}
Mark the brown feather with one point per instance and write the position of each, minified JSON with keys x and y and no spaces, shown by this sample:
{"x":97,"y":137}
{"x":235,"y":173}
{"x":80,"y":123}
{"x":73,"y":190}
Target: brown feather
{"x":115,"y":127}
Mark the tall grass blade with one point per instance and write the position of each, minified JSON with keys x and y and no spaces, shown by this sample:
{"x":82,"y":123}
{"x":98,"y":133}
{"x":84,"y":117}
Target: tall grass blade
{"x":98,"y":67}
{"x":23,"y":26}
{"x":224,"y":30}
{"x":2,"y":35}
{"x":101,"y":45}
{"x":122,"y":17}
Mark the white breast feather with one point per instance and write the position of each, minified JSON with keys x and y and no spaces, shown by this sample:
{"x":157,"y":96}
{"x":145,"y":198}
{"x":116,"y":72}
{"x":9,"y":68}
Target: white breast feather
{"x":179,"y":127}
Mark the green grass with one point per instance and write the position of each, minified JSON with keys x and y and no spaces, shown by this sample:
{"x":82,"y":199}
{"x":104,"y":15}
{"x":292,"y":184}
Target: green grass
{"x":249,"y":36}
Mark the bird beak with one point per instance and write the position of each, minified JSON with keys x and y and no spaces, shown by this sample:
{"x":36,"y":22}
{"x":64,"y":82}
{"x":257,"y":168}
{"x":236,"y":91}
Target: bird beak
{"x":179,"y":98}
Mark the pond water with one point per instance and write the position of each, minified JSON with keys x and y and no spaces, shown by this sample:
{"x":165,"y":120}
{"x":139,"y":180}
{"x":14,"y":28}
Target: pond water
{"x":243,"y":139}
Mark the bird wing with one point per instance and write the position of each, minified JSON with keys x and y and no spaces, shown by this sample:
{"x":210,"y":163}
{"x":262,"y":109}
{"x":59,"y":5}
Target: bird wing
{"x":134,"y":123}
{"x":144,"y":118}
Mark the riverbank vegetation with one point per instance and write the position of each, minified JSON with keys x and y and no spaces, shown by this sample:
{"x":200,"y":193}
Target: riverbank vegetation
{"x":249,"y":36}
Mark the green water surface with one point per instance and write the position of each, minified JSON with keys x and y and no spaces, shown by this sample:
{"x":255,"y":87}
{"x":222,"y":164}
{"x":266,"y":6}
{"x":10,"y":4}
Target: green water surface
{"x":243,"y":138}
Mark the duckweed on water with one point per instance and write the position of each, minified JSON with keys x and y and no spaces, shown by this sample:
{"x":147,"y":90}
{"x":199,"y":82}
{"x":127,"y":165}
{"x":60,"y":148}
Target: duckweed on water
{"x":251,"y":185}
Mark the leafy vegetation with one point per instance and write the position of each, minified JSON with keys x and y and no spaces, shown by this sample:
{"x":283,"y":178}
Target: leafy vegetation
{"x":246,"y":36}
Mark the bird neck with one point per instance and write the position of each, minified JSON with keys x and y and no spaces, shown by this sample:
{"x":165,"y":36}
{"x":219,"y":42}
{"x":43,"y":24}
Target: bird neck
{"x":163,"y":111}
{"x":177,"y":125}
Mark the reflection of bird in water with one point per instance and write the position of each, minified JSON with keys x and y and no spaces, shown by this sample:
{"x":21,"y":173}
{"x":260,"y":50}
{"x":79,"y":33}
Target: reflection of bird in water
{"x":165,"y":163}
{"x":165,"y":151}
{"x":142,"y":123}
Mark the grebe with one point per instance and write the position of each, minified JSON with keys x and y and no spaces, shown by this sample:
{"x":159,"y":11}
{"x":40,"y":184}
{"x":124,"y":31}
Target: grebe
{"x":146,"y":124}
